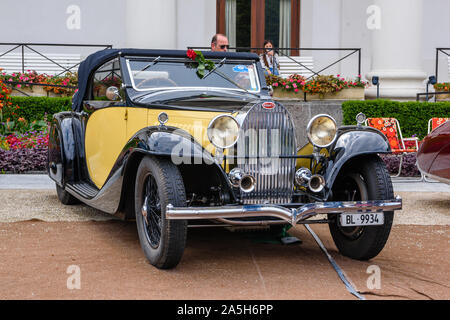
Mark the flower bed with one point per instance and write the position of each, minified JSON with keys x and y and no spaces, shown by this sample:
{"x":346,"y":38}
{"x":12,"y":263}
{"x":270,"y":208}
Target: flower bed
{"x":441,"y":87}
{"x":23,"y":160}
{"x":69,"y":79}
{"x":409,"y":168}
{"x":23,"y":152}
{"x":23,"y":144}
{"x":318,"y":88}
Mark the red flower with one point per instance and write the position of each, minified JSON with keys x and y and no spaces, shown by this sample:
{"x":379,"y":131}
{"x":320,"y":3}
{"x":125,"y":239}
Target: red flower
{"x":191,"y":54}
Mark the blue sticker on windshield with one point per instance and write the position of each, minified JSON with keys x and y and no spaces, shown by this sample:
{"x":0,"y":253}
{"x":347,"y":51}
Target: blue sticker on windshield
{"x":240,"y":68}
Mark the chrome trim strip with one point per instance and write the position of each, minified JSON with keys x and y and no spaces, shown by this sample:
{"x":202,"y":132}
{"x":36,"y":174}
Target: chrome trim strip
{"x":293,"y":216}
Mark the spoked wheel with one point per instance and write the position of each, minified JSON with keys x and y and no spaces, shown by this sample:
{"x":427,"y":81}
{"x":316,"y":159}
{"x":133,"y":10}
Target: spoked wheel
{"x":151,"y":212}
{"x":365,"y":179}
{"x":158,"y":183}
{"x":353,"y":189}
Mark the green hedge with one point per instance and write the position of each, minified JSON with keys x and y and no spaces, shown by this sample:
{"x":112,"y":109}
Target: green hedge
{"x":412,"y":116}
{"x":34,"y":108}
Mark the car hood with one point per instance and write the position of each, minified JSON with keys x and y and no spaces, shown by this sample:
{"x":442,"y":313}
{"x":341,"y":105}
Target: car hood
{"x":201,"y":100}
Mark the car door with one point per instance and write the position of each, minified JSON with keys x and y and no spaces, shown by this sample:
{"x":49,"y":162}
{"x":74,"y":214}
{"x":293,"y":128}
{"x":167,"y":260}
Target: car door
{"x":105,"y":133}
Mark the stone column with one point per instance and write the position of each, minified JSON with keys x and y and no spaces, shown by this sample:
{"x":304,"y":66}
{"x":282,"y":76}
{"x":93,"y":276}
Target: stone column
{"x":397,"y":51}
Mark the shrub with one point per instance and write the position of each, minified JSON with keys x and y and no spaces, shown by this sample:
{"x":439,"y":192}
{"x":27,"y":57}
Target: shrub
{"x":23,"y":160}
{"x":35,"y":108}
{"x":412,"y":116}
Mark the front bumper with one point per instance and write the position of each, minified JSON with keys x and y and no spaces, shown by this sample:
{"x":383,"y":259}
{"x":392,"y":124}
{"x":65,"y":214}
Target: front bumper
{"x":290,"y":215}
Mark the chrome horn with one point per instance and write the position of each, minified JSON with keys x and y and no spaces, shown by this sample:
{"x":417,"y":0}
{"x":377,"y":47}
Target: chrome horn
{"x":244,"y":181}
{"x":303,"y":178}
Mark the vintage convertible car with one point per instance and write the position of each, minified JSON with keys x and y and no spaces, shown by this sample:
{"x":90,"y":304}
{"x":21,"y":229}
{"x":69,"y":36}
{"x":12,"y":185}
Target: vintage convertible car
{"x":433,"y":156}
{"x":157,"y":136}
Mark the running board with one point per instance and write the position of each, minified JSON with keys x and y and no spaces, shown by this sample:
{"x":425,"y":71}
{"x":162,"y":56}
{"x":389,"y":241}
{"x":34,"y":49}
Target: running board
{"x":84,"y":189}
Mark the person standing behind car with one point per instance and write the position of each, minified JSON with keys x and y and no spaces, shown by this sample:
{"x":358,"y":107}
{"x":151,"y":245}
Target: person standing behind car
{"x":269,"y":59}
{"x":219,"y":42}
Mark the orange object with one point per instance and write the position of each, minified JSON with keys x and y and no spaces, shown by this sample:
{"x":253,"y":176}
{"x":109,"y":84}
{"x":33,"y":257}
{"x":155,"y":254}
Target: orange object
{"x":433,"y":123}
{"x":390,"y":127}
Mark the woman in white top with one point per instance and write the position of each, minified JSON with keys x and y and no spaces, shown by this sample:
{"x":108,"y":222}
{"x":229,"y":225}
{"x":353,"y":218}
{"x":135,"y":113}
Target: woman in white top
{"x":269,"y":59}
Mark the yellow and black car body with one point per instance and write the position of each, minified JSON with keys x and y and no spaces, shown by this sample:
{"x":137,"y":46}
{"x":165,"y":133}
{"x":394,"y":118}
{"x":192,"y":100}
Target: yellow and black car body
{"x":151,"y":138}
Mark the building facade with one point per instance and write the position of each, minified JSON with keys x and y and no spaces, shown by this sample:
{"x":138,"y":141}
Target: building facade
{"x":398,"y":39}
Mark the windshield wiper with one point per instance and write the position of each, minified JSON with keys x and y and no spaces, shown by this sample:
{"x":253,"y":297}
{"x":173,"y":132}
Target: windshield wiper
{"x":149,"y":65}
{"x":216,"y":67}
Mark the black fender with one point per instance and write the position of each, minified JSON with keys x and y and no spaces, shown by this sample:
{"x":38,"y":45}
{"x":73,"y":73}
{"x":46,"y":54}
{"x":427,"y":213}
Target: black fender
{"x":61,"y":148}
{"x":352,"y":143}
{"x":197,"y":166}
{"x":66,"y":156}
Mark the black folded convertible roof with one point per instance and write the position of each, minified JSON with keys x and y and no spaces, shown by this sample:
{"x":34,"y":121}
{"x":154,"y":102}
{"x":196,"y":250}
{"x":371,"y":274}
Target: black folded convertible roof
{"x":98,"y":58}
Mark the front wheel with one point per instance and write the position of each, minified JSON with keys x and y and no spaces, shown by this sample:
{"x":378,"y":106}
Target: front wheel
{"x":364,"y":179}
{"x":158,"y":183}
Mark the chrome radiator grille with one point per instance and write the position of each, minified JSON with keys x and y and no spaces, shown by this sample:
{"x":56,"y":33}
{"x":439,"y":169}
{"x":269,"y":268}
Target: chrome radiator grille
{"x":267,"y":134}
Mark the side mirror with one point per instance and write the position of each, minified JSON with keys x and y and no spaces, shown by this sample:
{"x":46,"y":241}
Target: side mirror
{"x":112,"y":93}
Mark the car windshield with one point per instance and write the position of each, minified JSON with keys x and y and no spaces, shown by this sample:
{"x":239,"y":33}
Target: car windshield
{"x":157,"y":73}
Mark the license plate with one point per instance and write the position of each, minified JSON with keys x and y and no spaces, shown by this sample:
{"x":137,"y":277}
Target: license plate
{"x":362,"y":219}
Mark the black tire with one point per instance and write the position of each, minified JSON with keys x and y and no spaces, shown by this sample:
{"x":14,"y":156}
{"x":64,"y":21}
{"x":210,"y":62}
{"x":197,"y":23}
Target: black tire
{"x":65,"y":197}
{"x":158,"y":183}
{"x":364,"y":179}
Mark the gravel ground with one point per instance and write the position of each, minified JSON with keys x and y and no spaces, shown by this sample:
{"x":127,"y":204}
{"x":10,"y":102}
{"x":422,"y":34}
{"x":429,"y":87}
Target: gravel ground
{"x":21,"y":205}
{"x":426,"y":208}
{"x":217,"y":264}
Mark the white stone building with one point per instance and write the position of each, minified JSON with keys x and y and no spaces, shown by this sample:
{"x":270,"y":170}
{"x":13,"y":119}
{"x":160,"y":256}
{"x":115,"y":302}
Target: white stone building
{"x":398,"y":39}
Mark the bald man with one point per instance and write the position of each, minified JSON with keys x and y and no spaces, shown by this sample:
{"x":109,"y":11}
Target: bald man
{"x":219,"y":43}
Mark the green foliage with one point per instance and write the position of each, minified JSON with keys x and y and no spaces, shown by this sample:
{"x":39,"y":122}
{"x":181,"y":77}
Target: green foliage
{"x":35,"y":108}
{"x":412,"y":116}
{"x":21,"y":126}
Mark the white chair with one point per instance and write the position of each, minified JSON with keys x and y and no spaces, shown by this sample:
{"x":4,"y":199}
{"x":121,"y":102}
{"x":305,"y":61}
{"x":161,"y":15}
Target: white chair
{"x":290,"y":65}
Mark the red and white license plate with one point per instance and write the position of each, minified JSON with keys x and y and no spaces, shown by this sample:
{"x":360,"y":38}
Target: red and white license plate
{"x":362,"y":219}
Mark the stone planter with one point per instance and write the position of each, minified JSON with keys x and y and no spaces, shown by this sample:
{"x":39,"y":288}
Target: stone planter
{"x":280,"y":93}
{"x":35,"y":91}
{"x":443,"y":97}
{"x":345,"y":94}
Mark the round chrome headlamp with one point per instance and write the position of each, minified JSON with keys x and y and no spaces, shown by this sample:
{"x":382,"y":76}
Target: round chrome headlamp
{"x":223,"y":131}
{"x":322,"y":130}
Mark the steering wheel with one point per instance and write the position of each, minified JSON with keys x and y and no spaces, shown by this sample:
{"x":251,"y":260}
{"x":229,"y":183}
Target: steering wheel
{"x":156,"y":82}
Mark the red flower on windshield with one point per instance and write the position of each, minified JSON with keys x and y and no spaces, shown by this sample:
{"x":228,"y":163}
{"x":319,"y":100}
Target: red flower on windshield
{"x":191,"y":54}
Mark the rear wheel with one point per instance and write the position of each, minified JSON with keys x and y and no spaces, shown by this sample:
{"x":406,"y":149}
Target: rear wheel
{"x":158,"y":183}
{"x":364,"y":179}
